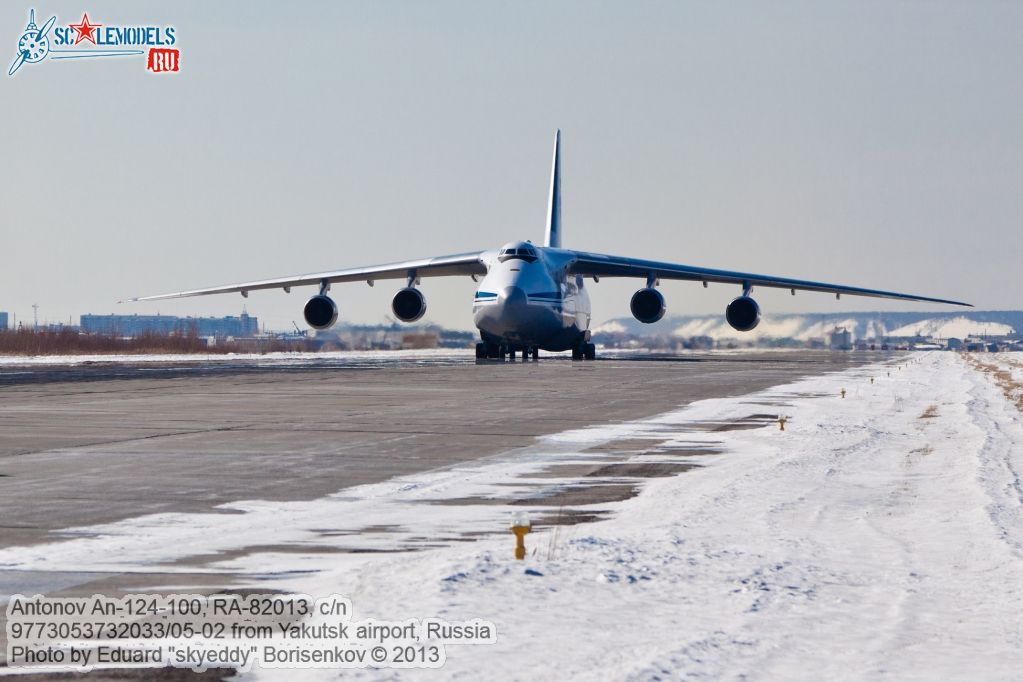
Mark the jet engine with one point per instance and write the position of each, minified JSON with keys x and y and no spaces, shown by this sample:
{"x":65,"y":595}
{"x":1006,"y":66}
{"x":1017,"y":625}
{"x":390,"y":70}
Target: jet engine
{"x":320,"y":312}
{"x":409,"y":304}
{"x":647,"y":305}
{"x":743,"y":314}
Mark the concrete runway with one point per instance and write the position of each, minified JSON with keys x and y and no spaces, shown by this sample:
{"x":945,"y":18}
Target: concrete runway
{"x":95,"y":444}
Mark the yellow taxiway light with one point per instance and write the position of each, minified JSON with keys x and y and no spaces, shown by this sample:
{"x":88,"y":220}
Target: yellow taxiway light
{"x":521,"y":525}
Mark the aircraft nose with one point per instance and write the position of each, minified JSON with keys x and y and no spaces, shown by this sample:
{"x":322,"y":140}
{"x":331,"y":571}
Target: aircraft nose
{"x":513,"y":297}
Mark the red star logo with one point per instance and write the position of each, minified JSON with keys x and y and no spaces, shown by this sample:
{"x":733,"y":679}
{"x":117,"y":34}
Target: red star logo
{"x":85,"y":30}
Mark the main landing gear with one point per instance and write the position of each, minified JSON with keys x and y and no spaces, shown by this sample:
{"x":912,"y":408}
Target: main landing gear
{"x":493,"y":351}
{"x":584,"y":350}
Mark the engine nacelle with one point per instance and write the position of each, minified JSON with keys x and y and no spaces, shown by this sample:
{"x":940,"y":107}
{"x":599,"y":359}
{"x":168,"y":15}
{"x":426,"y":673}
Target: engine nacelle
{"x":409,"y":305}
{"x":743,"y":314}
{"x":320,"y":312}
{"x":648,"y":305}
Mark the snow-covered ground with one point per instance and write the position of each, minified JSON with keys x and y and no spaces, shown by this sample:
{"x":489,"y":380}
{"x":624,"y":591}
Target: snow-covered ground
{"x":781,"y":327}
{"x":954,"y":328}
{"x":879,"y":536}
{"x":804,"y":327}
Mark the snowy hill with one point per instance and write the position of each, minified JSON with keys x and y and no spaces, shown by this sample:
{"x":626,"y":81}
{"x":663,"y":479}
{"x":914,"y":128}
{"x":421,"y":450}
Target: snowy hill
{"x":816,"y":325}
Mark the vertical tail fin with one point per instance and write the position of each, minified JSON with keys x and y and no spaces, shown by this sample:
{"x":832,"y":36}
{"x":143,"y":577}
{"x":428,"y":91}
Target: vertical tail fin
{"x":553,"y":234}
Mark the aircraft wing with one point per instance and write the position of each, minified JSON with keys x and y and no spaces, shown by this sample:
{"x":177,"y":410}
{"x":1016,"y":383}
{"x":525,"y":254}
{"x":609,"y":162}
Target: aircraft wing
{"x":600,"y":265}
{"x":458,"y":264}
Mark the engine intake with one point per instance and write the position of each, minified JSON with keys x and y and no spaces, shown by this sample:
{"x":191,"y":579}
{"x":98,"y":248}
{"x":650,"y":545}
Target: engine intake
{"x":409,"y":305}
{"x":743,"y":314}
{"x":320,"y":312}
{"x":648,"y":305}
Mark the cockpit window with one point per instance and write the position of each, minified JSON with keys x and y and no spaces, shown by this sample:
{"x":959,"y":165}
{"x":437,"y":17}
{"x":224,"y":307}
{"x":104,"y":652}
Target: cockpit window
{"x":526,"y":254}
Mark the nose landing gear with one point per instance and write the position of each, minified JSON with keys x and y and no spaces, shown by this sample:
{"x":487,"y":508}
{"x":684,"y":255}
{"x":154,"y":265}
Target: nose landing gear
{"x":489,"y":351}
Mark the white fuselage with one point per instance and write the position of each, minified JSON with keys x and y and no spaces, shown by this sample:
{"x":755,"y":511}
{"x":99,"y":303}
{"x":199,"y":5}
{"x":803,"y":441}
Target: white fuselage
{"x":526,"y":300}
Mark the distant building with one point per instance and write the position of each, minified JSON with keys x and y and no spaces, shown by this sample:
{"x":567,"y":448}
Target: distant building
{"x":3,"y":321}
{"x":841,"y":339}
{"x":136,"y":325}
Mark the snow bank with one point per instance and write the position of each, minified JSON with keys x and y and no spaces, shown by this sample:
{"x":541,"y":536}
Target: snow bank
{"x":955,"y":328}
{"x":779,"y":327}
{"x":865,"y":541}
{"x":610,"y":327}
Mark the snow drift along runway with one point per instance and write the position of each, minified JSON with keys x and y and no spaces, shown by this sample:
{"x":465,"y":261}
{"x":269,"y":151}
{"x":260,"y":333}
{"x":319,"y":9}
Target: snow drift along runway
{"x":878,"y":536}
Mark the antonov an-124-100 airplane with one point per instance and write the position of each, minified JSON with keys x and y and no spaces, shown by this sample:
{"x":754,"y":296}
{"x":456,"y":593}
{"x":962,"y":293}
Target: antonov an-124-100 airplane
{"x":534,"y":297}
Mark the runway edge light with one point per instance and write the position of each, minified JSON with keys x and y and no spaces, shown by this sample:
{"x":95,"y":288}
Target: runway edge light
{"x":520,"y":525}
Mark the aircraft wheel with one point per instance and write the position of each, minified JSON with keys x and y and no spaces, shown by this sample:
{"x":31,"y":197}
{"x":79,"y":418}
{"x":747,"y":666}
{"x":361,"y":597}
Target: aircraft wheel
{"x":536,"y":354}
{"x":577,"y":353}
{"x":590,"y":351}
{"x":481,"y":351}
{"x":511,"y":353}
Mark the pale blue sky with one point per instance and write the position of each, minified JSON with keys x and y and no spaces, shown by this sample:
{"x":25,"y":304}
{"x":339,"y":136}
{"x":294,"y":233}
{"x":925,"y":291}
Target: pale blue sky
{"x":865,"y":143}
